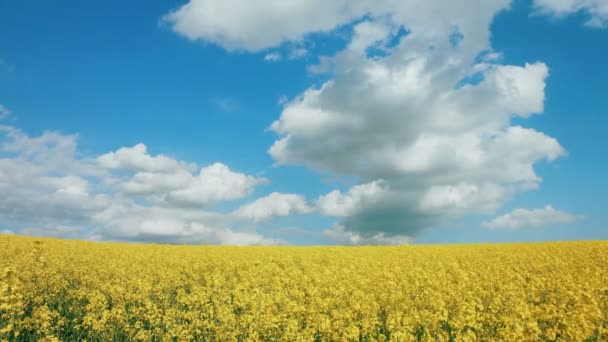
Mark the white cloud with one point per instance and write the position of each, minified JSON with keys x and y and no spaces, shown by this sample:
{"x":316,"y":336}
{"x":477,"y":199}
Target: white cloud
{"x":341,"y":204}
{"x":522,"y":90}
{"x":272,"y":57}
{"x":214,"y":183}
{"x":49,"y":190}
{"x":137,"y":158}
{"x":526,"y":218}
{"x":169,"y":181}
{"x":4,"y":112}
{"x":341,"y":236}
{"x":251,"y":26}
{"x":463,"y":197}
{"x":43,"y":183}
{"x":275,"y":204}
{"x":324,"y":66}
{"x":442,"y":144}
{"x":369,"y":33}
{"x":425,"y":127}
{"x":442,"y":152}
{"x":255,"y":26}
{"x":126,"y":220}
{"x":442,"y":148}
{"x":596,"y":9}
{"x":147,"y":183}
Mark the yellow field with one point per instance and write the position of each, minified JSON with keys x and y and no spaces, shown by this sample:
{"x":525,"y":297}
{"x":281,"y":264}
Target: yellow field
{"x":71,"y":290}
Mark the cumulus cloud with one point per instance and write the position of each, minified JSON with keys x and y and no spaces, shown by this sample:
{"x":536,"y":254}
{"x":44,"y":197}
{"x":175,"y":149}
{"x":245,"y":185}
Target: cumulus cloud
{"x":597,"y":10}
{"x":369,"y":33}
{"x":425,"y":125}
{"x":214,"y":183}
{"x":422,"y":120}
{"x":149,"y":183}
{"x":324,"y":66}
{"x":462,"y":197}
{"x":126,"y":220}
{"x":528,"y":218}
{"x":441,"y":151}
{"x":340,"y":235}
{"x":337,"y":203}
{"x":235,"y":25}
{"x":48,"y":189}
{"x":167,"y":180}
{"x":42,"y":182}
{"x":275,"y":204}
{"x":256,"y":26}
{"x":137,"y":158}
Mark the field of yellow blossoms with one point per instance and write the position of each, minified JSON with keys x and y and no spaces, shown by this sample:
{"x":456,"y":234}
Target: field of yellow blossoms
{"x":72,"y":290}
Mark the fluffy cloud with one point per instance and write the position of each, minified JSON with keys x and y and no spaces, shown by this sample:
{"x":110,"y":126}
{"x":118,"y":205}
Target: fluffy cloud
{"x":337,"y":203}
{"x":150,"y":183}
{"x":214,"y":183}
{"x":126,"y":220}
{"x":338,"y":234}
{"x":137,"y":158}
{"x":425,"y":125}
{"x":47,"y":189}
{"x":526,"y":218}
{"x":233,"y":24}
{"x":458,"y":128}
{"x":596,"y":9}
{"x":462,"y":197}
{"x":369,"y":33}
{"x":41,"y":181}
{"x":421,"y":120}
{"x":442,"y":151}
{"x":275,"y":204}
{"x":164,"y":179}
{"x":255,"y":26}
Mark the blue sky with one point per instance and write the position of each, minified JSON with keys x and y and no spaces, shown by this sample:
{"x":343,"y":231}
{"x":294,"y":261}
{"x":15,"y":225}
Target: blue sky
{"x":362,"y":120}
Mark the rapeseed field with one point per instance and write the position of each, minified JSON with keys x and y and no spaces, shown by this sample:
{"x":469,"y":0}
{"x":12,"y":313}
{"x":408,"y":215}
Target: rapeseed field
{"x":74,"y":291}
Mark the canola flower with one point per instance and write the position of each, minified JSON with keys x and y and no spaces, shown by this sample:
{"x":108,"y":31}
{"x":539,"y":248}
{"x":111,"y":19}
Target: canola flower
{"x":60,"y":290}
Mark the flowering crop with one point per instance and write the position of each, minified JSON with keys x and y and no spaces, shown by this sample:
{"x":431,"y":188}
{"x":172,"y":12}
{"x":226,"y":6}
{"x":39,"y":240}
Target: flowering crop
{"x":74,"y":290}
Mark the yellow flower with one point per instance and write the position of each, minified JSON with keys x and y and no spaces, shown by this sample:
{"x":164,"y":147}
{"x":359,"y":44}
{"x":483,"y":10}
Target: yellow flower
{"x":57,"y":289}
